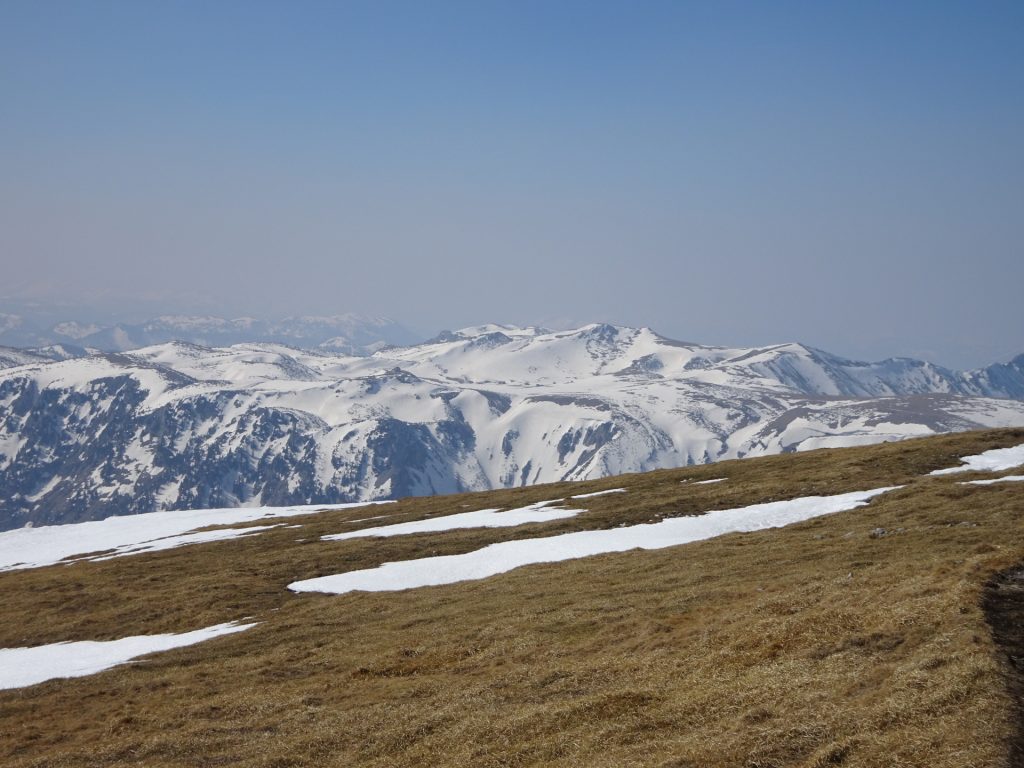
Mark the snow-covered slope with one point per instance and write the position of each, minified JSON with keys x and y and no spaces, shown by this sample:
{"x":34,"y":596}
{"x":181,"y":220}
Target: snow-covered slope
{"x":11,"y":357}
{"x":178,"y":426}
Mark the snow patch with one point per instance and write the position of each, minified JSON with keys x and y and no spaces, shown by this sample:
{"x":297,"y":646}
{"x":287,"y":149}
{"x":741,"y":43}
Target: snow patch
{"x":995,"y":460}
{"x":21,"y":667}
{"x":484,"y":518}
{"x":1007,"y":479}
{"x":505,"y":556}
{"x":173,"y":542}
{"x":133,"y":534}
{"x":597,"y":493}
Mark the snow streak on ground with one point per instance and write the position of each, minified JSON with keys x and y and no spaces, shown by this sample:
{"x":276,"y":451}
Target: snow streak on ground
{"x":502,"y":557}
{"x":1007,"y":479}
{"x":995,"y":460}
{"x":173,"y":542}
{"x":597,"y":493}
{"x":484,"y":518}
{"x":132,"y":534}
{"x":20,"y":667}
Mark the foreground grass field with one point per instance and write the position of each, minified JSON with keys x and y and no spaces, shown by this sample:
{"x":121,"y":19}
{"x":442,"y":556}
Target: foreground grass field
{"x":874,"y":637}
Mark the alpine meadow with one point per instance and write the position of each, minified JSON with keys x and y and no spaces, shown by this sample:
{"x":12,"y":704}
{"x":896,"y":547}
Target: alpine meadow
{"x":403,"y":384}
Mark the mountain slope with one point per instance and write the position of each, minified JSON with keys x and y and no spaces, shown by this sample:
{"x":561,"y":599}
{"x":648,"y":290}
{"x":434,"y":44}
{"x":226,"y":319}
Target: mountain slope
{"x":184,"y":426}
{"x":854,"y":638}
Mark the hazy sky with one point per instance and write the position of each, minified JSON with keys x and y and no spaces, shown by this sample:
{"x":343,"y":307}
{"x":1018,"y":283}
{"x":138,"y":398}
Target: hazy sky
{"x":846,"y":174}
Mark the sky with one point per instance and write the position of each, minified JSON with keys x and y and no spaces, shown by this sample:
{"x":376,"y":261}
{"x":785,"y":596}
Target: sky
{"x":846,"y":174}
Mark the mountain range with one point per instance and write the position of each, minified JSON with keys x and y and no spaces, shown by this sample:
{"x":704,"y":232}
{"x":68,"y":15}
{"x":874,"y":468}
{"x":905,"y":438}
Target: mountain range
{"x":345,"y":333}
{"x":88,"y":434}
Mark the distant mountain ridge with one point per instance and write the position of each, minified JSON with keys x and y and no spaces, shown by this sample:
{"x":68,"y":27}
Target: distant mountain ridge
{"x":347,"y":333}
{"x":84,"y":435}
{"x":806,"y":369}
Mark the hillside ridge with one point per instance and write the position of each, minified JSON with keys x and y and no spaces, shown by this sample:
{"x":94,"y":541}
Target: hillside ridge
{"x":859,"y":637}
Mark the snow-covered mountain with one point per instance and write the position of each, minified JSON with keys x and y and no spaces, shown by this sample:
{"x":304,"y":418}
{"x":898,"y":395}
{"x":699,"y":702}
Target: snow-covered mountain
{"x":178,"y":425}
{"x":346,"y":333}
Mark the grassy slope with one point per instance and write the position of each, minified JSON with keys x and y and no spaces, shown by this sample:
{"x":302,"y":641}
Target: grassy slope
{"x":816,"y":644}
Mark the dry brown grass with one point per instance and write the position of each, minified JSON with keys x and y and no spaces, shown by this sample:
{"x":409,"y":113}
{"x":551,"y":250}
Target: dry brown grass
{"x":812,"y":645}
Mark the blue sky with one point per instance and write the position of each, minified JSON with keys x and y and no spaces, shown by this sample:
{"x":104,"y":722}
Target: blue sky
{"x":847,"y":174}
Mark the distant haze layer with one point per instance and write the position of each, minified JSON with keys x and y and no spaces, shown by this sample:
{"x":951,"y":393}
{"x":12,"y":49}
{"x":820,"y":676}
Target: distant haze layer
{"x":850,"y":175}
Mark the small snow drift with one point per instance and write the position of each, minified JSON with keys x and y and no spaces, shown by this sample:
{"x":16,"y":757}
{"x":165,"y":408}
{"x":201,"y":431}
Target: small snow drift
{"x":173,"y":542}
{"x":505,"y":556}
{"x":484,"y":518}
{"x":597,"y":493}
{"x":133,"y":534}
{"x":1007,"y":479}
{"x":21,"y":667}
{"x":995,"y":460}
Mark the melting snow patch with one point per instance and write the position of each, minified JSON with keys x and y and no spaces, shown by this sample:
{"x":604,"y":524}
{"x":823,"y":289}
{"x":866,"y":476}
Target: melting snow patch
{"x":484,"y":518}
{"x":1007,"y":479}
{"x":597,"y":493}
{"x":172,"y":542}
{"x":995,"y":460}
{"x":133,"y":534}
{"x":20,"y":667}
{"x":502,"y":557}
{"x":708,"y":482}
